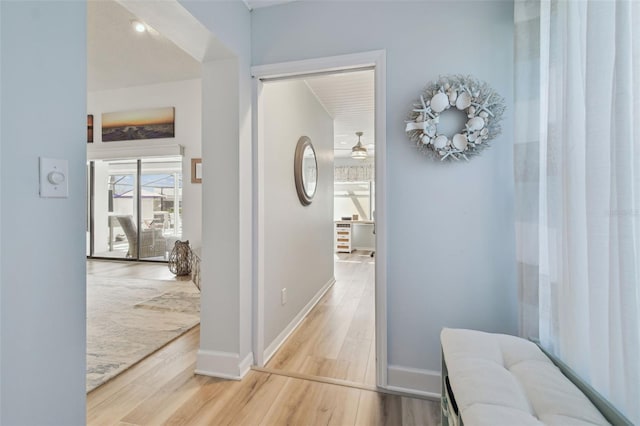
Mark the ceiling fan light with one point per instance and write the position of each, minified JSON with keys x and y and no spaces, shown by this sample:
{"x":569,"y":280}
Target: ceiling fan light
{"x":359,"y":152}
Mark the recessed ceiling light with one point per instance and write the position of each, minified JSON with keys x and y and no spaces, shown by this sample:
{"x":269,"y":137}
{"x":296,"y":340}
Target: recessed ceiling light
{"x":139,"y":26}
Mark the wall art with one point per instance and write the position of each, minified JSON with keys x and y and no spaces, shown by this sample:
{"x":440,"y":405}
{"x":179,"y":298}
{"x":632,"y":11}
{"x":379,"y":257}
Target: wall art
{"x":153,"y":123}
{"x":481,"y":105}
{"x":90,"y":128}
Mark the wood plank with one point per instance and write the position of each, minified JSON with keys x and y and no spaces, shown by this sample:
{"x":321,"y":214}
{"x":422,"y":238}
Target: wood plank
{"x":250,"y":402}
{"x":311,"y":403}
{"x":417,"y":412}
{"x":376,"y":408}
{"x":165,"y":400}
{"x":379,"y":409}
{"x":183,"y":347}
{"x":204,"y":404}
{"x":112,"y":401}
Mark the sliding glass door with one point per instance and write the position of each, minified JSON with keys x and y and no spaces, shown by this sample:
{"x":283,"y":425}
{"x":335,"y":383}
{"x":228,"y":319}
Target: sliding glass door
{"x":161,"y":207}
{"x":113,"y":208}
{"x":135,"y":208}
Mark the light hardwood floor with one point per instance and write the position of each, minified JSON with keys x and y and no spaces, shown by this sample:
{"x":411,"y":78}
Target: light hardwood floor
{"x":336,"y":339}
{"x":163,"y":389}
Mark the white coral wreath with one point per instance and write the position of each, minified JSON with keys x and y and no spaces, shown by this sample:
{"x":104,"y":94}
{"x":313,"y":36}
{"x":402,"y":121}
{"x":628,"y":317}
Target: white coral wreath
{"x":481,"y":104}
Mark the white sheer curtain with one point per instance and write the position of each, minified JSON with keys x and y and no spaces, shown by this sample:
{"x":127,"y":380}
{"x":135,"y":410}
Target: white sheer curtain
{"x":577,"y":171}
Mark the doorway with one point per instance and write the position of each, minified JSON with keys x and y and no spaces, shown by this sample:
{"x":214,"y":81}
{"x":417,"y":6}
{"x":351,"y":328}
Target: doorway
{"x":264,"y":344}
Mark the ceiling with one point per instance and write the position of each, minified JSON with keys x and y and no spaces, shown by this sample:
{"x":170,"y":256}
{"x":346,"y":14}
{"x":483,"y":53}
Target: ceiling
{"x":120,"y":57}
{"x":349,"y":98}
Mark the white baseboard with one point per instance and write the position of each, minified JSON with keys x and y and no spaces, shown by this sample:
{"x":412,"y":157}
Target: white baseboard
{"x":225,"y":365}
{"x":246,"y":364}
{"x":414,"y":381}
{"x":278,"y":341}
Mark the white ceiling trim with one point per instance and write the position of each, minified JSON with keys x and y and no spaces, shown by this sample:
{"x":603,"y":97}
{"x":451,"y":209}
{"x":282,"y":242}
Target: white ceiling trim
{"x":339,"y":64}
{"x":257,"y":4}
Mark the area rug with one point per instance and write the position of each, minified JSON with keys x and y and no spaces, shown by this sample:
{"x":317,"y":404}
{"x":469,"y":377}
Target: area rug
{"x":174,"y":302}
{"x":129,"y":319}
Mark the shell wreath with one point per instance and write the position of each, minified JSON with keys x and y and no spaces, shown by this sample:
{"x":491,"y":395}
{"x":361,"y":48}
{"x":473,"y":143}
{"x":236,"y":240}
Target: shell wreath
{"x":480,"y":103}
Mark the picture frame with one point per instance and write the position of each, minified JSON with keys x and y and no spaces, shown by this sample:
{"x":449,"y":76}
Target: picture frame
{"x":150,"y":123}
{"x":196,"y":170}
{"x":89,"y":128}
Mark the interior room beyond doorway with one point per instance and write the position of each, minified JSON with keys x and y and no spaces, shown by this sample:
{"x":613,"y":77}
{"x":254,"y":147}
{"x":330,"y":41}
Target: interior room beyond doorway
{"x":325,"y":249}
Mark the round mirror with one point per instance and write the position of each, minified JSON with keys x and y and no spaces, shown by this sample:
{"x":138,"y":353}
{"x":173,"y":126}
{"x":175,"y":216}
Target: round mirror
{"x":305,"y":170}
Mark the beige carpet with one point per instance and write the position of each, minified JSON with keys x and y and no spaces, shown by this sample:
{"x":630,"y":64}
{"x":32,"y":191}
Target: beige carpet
{"x":128,"y":319}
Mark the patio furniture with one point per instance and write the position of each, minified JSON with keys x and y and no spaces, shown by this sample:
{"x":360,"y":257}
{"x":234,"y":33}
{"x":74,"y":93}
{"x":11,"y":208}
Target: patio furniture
{"x":152,"y":242}
{"x":160,"y":220}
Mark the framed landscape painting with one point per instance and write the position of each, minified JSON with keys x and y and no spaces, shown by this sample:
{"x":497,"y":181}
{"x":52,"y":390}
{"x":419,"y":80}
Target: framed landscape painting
{"x":153,"y":123}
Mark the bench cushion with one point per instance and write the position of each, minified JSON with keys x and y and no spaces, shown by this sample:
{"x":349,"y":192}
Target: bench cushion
{"x":499,"y":379}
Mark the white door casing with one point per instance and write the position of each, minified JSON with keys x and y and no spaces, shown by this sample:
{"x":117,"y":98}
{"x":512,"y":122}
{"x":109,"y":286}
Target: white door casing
{"x":377,"y":60}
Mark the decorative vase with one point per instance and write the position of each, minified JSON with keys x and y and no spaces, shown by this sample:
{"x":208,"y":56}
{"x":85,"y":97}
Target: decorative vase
{"x":180,"y":259}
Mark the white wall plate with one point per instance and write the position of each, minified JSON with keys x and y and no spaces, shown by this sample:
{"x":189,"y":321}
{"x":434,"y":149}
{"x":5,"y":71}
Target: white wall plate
{"x":54,"y":178}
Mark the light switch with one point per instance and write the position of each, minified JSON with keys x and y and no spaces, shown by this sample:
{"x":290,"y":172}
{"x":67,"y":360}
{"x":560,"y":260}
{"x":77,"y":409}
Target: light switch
{"x":54,"y":178}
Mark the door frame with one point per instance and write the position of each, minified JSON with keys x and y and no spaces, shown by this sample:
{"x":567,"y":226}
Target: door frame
{"x":371,"y":59}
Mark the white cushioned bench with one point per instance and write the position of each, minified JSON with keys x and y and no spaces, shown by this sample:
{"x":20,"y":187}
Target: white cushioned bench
{"x":497,"y":379}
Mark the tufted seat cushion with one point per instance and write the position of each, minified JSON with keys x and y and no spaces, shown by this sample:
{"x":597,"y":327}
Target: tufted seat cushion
{"x":498,"y":379}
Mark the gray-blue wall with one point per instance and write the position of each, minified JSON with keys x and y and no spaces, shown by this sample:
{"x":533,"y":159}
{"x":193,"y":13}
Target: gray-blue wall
{"x":451,"y":259}
{"x":42,"y":268}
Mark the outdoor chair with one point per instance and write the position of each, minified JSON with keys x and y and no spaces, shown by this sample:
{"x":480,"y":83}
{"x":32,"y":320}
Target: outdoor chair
{"x":152,"y":242}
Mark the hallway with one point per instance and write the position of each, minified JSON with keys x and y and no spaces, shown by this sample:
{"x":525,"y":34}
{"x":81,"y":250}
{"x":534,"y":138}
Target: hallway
{"x":337,"y":339}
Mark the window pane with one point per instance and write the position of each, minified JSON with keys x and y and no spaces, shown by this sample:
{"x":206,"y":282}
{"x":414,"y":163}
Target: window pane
{"x":115,"y":209}
{"x":352,"y":198}
{"x":161,"y":207}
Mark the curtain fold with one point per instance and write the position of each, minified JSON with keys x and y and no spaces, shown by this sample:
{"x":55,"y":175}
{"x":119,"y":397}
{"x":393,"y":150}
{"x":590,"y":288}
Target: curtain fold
{"x":577,"y":182}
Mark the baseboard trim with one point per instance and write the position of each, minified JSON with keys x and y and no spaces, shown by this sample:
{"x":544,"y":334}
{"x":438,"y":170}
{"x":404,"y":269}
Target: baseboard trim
{"x":414,"y":381}
{"x":282,"y":337}
{"x":224,"y":365}
{"x":246,"y":364}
